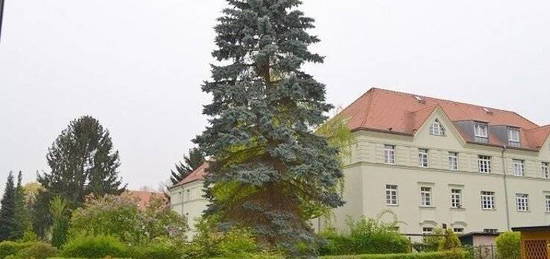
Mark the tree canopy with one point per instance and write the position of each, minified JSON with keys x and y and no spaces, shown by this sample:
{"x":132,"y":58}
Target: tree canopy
{"x":191,"y":161}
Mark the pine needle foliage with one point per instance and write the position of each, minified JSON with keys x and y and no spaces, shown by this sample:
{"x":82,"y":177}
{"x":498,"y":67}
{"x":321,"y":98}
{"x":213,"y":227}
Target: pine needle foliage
{"x":193,"y":160}
{"x":269,"y":167}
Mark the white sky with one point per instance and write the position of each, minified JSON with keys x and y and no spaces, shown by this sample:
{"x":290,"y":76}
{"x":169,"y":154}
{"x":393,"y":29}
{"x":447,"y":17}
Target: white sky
{"x":137,"y":66}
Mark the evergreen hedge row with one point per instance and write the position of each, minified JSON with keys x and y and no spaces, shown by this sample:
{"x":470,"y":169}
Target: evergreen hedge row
{"x":459,"y":254}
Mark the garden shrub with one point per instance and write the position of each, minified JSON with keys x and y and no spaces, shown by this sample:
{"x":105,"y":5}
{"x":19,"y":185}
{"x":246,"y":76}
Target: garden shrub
{"x":366,"y":236}
{"x":509,"y":245}
{"x":450,"y":241}
{"x":36,"y":250}
{"x":11,"y":248}
{"x":95,"y":247}
{"x":159,"y":249}
{"x":455,"y":254}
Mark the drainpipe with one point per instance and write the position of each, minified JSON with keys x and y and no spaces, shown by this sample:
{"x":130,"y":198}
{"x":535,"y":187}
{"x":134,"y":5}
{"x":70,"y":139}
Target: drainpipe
{"x":505,"y":188}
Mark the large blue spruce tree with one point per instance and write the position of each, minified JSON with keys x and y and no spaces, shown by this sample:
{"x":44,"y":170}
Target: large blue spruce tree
{"x":270,"y":172}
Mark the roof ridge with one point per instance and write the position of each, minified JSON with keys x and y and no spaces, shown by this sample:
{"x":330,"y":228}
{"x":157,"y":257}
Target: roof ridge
{"x":447,"y":100}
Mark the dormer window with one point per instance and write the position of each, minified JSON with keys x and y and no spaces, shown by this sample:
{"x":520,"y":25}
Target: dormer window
{"x":481,"y":131}
{"x":437,"y":129}
{"x":514,"y":137}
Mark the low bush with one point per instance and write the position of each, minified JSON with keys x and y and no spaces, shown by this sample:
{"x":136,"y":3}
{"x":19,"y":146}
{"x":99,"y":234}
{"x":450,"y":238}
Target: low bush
{"x":159,"y":249}
{"x":509,"y":245}
{"x":10,"y":248}
{"x":455,"y":254}
{"x":36,"y":250}
{"x":366,"y":236}
{"x":95,"y":247}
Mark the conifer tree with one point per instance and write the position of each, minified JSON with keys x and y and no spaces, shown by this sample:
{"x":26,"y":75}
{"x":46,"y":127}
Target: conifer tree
{"x":82,"y":162}
{"x":269,"y":168}
{"x":8,"y":222}
{"x":190,"y":162}
{"x":22,"y":213}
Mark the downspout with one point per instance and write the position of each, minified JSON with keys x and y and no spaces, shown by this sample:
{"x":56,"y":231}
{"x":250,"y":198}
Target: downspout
{"x":505,"y":188}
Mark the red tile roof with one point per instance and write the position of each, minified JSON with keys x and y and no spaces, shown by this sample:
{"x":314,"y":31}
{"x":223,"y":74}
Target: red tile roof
{"x":197,"y":174}
{"x":144,"y":197}
{"x":403,"y":113}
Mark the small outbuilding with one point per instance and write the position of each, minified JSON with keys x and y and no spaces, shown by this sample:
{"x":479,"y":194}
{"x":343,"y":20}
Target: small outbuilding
{"x":535,"y":242}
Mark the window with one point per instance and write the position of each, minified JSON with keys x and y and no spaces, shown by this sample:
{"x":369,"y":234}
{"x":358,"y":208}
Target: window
{"x":487,"y":200}
{"x":480,"y":130}
{"x":453,"y":161}
{"x":458,"y":230}
{"x":437,"y":129}
{"x":426,"y":196}
{"x":423,"y":157}
{"x":427,"y":230}
{"x":522,"y":202}
{"x":391,"y":195}
{"x":547,"y":202}
{"x":519,"y":167}
{"x":389,"y":154}
{"x":484,"y":163}
{"x":546,"y":170}
{"x":490,"y":230}
{"x":456,"y":198}
{"x":513,"y":137}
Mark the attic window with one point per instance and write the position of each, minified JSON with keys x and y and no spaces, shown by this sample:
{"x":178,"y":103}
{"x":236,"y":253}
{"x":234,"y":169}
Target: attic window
{"x":514,"y":137}
{"x":487,"y":110}
{"x":419,"y":99}
{"x":481,"y":132}
{"x":437,"y":129}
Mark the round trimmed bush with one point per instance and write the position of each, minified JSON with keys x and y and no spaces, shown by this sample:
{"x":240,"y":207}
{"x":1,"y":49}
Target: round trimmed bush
{"x":509,"y":245}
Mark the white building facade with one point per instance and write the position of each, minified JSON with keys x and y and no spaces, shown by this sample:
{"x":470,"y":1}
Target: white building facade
{"x":435,"y":162}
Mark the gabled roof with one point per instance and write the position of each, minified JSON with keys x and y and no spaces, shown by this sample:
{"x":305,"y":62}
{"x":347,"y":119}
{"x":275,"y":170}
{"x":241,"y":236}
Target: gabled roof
{"x":403,"y":113}
{"x":143,"y":198}
{"x":197,"y":175}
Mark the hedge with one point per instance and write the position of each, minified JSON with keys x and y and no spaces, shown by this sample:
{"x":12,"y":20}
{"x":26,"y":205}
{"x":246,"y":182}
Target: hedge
{"x":434,"y":255}
{"x":8,"y":248}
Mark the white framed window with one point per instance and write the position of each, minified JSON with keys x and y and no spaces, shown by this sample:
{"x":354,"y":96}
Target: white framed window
{"x":456,"y":198}
{"x":490,"y":230}
{"x":458,"y":230}
{"x":392,"y":195}
{"x":426,"y":196}
{"x":522,"y":201}
{"x":487,"y":200}
{"x":453,"y":161}
{"x":437,"y":128}
{"x":484,"y":163}
{"x":422,"y":157}
{"x":427,"y":230}
{"x":481,"y":130}
{"x":545,"y":170}
{"x":547,"y":203}
{"x":389,"y":154}
{"x":514,"y":137}
{"x":519,"y":167}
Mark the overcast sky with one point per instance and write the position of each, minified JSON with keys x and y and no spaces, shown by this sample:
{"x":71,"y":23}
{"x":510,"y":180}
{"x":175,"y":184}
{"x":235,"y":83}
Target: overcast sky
{"x":137,"y":66}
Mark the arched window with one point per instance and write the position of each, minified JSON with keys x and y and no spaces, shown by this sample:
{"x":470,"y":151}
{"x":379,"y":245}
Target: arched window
{"x":437,"y":128}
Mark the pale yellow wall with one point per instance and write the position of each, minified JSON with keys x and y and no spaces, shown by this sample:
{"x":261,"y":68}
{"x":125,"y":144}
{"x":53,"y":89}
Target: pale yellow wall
{"x":368,"y":155}
{"x":192,"y":205}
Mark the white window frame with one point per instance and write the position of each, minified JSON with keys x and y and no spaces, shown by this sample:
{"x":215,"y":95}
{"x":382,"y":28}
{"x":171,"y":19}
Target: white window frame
{"x":545,"y":166}
{"x":514,"y":137}
{"x":437,"y":128}
{"x":423,"y":159}
{"x":456,"y":198}
{"x":389,"y":154}
{"x":427,"y":230}
{"x":481,"y":130}
{"x":484,"y":164}
{"x":547,"y":203}
{"x":518,"y":167}
{"x":522,"y":202}
{"x":392,"y":195}
{"x":426,"y":196}
{"x":487,"y":200}
{"x":453,"y":161}
{"x":458,"y":230}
